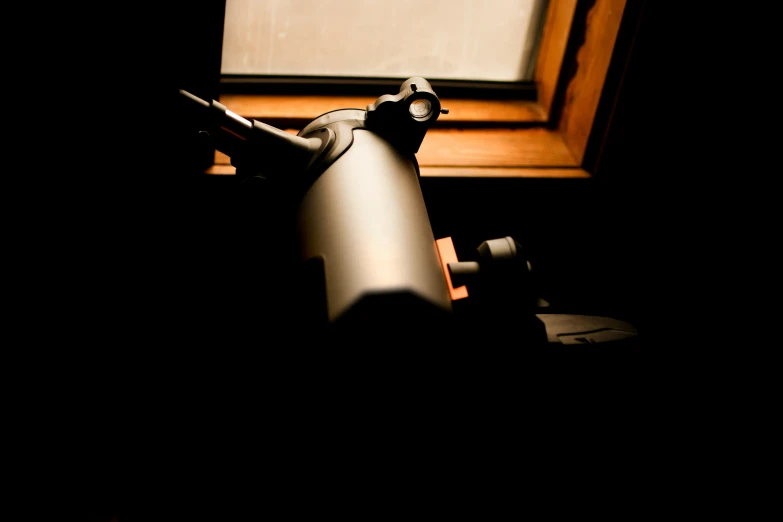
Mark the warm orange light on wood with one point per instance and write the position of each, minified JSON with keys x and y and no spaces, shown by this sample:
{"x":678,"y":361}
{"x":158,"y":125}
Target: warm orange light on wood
{"x":496,"y":138}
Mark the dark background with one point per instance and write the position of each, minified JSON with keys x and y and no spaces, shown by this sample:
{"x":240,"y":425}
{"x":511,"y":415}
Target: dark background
{"x":138,"y":274}
{"x":196,"y":244}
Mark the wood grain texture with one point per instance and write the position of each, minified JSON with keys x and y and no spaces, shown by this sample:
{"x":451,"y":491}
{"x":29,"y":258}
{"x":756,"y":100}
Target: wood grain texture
{"x":222,"y":159}
{"x":494,"y":148}
{"x":486,"y":148}
{"x":306,"y":108}
{"x":593,"y":59}
{"x":221,"y":170}
{"x":464,"y":172}
{"x":549,"y":64}
{"x":503,"y":172}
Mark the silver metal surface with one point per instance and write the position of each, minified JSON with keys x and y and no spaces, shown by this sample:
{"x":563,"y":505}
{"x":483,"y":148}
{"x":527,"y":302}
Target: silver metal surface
{"x":366,"y":216}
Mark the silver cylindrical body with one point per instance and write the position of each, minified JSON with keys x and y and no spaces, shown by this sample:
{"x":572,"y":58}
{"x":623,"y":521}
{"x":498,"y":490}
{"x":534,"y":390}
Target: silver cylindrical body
{"x":366,"y":218}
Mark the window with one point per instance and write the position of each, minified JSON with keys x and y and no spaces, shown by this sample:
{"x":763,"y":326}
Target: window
{"x":452,"y":40}
{"x":565,"y":53}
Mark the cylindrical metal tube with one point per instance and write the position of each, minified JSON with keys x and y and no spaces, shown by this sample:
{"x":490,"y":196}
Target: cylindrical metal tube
{"x":365,"y":217}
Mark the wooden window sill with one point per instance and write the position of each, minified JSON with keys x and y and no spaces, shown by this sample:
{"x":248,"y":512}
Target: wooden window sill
{"x":298,"y":111}
{"x":453,"y":148}
{"x":497,"y":138}
{"x":485,"y":148}
{"x":463,"y":172}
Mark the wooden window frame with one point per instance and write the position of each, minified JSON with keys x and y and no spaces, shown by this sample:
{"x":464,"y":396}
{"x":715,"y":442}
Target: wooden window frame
{"x":584,"y":48}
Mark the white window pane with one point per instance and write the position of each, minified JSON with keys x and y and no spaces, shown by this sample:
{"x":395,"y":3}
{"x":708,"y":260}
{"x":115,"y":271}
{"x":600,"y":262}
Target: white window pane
{"x":490,"y":40}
